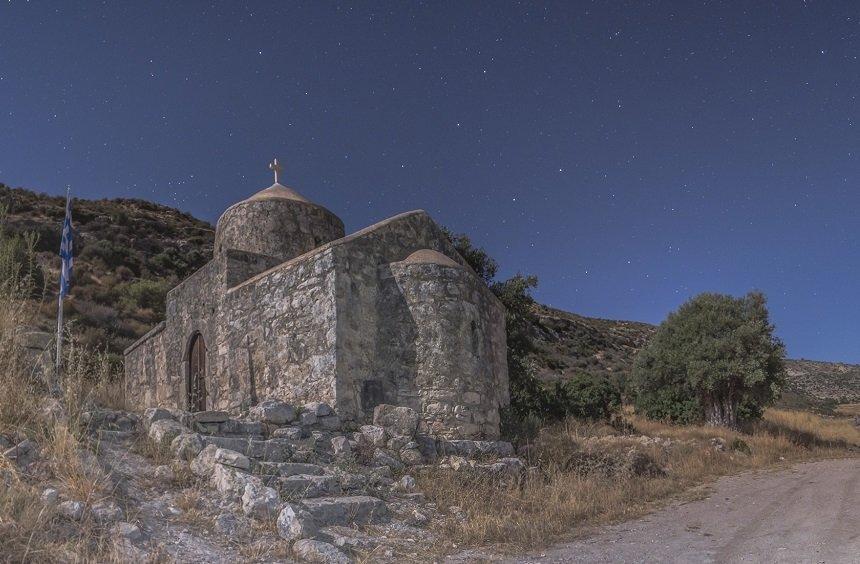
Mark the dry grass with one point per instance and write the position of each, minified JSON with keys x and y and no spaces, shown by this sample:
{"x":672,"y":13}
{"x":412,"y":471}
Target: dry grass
{"x":579,"y":482}
{"x":849,"y":409}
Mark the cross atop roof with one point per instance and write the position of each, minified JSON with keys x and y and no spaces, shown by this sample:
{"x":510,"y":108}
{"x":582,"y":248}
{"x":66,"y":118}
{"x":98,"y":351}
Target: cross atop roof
{"x":276,"y":168}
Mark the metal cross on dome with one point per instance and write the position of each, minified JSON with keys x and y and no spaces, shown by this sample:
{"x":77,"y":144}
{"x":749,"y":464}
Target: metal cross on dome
{"x":276,"y":168}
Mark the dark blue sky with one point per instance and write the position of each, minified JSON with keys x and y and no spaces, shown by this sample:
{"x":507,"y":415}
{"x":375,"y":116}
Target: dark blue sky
{"x":629,"y":154}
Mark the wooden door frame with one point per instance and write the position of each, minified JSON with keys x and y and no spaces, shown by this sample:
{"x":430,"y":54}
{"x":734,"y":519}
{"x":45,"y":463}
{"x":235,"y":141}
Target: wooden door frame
{"x":187,"y":369}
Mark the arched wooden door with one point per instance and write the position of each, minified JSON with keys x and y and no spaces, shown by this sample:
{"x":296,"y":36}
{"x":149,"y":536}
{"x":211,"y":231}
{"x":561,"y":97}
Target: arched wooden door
{"x":197,"y":374}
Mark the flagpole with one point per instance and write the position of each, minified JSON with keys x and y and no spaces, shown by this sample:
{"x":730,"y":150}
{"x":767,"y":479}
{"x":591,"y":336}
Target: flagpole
{"x":59,"y":370}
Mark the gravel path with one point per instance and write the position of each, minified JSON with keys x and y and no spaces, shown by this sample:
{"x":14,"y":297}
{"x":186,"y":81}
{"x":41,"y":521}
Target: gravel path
{"x":809,"y":513}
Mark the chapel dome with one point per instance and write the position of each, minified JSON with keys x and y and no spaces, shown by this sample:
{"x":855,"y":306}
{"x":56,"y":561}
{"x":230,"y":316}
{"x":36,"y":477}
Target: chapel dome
{"x":429,"y":256}
{"x":276,"y":222}
{"x":278,"y":191}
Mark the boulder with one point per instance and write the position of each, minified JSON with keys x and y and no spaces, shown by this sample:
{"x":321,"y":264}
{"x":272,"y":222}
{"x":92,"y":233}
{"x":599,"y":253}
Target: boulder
{"x":260,"y":502}
{"x":227,"y":524}
{"x":154,"y":414}
{"x":203,"y":464}
{"x":295,"y":468}
{"x":318,"y":408}
{"x":295,"y":522}
{"x":163,"y":431}
{"x":308,"y":419}
{"x":309,"y":550}
{"x":411,"y":457}
{"x":50,"y":496}
{"x":164,"y":474}
{"x":232,"y":458}
{"x":274,"y":412}
{"x":231,"y":482}
{"x":73,"y":510}
{"x":126,"y":531}
{"x":291,"y":433}
{"x":373,"y":435}
{"x":340,"y":446}
{"x":329,"y":422}
{"x":187,"y":446}
{"x":23,"y":453}
{"x":382,"y":458}
{"x":398,"y":421}
{"x":106,"y":512}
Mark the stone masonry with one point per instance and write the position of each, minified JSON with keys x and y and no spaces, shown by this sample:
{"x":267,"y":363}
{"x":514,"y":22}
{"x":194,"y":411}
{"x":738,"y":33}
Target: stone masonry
{"x":290,"y":308}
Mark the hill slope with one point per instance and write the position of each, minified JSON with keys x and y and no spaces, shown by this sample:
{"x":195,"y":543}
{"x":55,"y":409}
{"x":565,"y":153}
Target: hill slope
{"x":129,"y":253}
{"x":570,"y":343}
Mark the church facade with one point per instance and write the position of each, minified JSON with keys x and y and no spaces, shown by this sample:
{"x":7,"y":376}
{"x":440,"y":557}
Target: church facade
{"x":291,"y":308}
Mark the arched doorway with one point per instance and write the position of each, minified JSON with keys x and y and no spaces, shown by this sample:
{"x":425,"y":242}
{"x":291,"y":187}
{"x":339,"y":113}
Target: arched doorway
{"x":197,"y":374}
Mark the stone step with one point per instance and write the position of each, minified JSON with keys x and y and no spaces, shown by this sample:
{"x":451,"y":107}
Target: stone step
{"x":271,"y":450}
{"x":345,"y":511}
{"x":290,"y":468}
{"x":232,"y":428}
{"x":303,"y":486}
{"x":305,"y":519}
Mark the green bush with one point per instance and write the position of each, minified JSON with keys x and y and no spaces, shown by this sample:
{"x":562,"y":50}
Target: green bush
{"x":715,"y":360}
{"x":143,"y":294}
{"x":585,"y":396}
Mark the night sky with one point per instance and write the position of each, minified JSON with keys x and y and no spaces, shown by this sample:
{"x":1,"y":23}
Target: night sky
{"x":631,"y":155}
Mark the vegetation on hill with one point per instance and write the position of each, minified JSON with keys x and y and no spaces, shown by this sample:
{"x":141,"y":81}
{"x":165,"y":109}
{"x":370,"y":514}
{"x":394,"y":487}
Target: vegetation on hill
{"x":128,"y":254}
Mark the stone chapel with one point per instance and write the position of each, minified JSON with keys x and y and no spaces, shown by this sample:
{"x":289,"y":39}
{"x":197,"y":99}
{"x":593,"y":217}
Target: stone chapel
{"x":291,"y":308}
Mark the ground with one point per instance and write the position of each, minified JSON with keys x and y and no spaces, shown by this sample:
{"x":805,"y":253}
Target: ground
{"x":808,"y":513}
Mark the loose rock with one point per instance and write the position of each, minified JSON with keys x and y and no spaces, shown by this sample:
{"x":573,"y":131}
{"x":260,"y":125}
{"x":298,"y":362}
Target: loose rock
{"x":187,"y":446}
{"x":295,"y":522}
{"x":399,"y":421}
{"x":260,"y":502}
{"x":73,"y":510}
{"x":318,"y":551}
{"x":273,"y":411}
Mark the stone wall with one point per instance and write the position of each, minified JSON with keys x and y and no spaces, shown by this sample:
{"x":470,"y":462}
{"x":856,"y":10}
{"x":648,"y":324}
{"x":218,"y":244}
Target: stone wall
{"x":453,"y":350}
{"x":278,"y":335}
{"x":364,"y":320}
{"x":283,"y":229}
{"x":147,"y":379}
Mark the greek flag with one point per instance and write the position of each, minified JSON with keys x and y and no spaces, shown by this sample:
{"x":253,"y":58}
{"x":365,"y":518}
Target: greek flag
{"x":66,"y":251}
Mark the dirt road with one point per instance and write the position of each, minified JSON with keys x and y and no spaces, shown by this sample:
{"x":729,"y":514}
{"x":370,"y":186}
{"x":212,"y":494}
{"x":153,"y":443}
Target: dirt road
{"x":810,"y":513}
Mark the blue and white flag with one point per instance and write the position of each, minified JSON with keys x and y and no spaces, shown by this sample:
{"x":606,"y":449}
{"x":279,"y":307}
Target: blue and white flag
{"x":66,"y":251}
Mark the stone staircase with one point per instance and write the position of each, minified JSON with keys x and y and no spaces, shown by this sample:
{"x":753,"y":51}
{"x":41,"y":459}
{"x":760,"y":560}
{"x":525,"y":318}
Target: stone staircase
{"x":321,"y":479}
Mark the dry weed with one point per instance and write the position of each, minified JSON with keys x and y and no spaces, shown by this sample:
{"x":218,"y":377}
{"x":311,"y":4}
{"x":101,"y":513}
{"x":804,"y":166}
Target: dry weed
{"x":566,"y":493}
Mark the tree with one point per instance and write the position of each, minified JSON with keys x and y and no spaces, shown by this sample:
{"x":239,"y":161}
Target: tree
{"x":715,"y":359}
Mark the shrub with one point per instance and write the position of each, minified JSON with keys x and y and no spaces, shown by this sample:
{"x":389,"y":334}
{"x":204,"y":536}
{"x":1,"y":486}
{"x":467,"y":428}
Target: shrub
{"x":715,"y":359}
{"x":143,"y":294}
{"x":585,"y":396}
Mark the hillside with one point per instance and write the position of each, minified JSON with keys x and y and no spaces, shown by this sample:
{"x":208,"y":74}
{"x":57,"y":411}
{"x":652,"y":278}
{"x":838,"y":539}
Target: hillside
{"x":570,"y":343}
{"x":130,"y":252}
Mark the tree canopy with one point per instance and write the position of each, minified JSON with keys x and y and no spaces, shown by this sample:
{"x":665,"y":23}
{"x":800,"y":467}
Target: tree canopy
{"x":716,"y":360}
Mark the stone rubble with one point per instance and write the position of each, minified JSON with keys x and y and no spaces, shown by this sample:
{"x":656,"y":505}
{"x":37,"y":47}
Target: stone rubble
{"x":321,"y":481}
